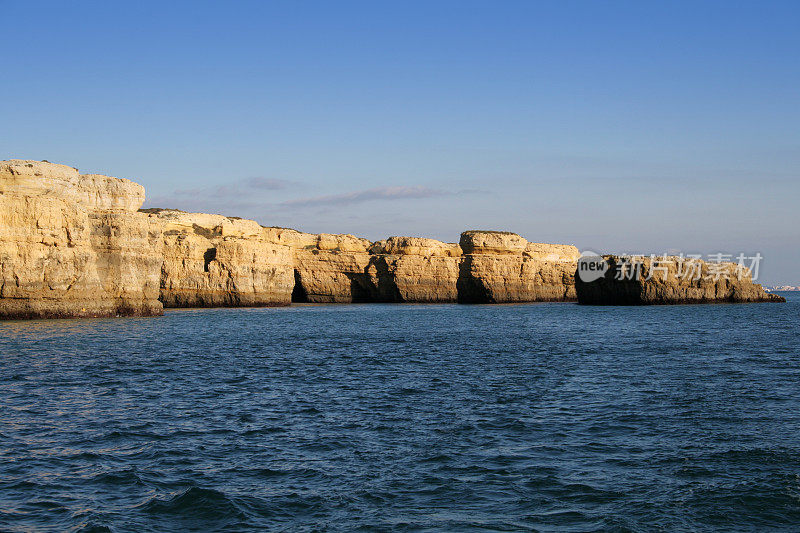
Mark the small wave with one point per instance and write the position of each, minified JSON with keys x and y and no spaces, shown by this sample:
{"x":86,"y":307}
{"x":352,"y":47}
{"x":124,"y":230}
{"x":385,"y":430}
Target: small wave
{"x":559,"y":516}
{"x":438,"y":458}
{"x":83,"y":456}
{"x":269,"y":472}
{"x":580,"y":492}
{"x":199,"y":505}
{"x":45,"y":505}
{"x":266,"y":430}
{"x":125,"y":435}
{"x":503,"y":424}
{"x":409,"y":391}
{"x":326,"y":446}
{"x":246,"y":417}
{"x":118,"y":478}
{"x":91,"y":528}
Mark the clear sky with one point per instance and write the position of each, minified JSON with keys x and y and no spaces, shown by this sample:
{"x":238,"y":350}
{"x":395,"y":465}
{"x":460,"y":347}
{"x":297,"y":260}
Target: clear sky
{"x":616,"y":126}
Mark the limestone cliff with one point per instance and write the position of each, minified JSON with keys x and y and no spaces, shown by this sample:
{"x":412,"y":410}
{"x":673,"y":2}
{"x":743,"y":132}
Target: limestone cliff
{"x":74,"y":245}
{"x":412,"y":269}
{"x":330,"y":268}
{"x":670,"y":280}
{"x":212,"y":260}
{"x":501,"y":267}
{"x":217,"y":261}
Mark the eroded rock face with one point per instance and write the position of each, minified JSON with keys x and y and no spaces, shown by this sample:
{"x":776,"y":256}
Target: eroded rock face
{"x":671,"y":280}
{"x":500,"y":267}
{"x":73,"y":245}
{"x":217,"y":261}
{"x":413,"y":269}
{"x":331,"y":268}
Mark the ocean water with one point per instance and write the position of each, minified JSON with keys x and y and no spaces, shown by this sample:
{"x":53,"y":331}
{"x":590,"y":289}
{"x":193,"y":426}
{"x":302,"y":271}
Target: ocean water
{"x":540,"y":417}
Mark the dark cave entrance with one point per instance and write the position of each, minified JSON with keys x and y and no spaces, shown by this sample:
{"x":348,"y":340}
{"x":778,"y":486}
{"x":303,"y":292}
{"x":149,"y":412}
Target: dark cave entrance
{"x":208,"y":256}
{"x":299,"y":295}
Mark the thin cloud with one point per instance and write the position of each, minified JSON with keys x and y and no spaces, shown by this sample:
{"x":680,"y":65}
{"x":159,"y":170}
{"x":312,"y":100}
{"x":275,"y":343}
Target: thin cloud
{"x":241,"y":187}
{"x":229,"y":205}
{"x":238,"y":197}
{"x":368,"y":195}
{"x":269,"y":184}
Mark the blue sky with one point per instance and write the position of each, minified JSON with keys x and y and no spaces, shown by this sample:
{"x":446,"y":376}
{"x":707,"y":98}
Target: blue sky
{"x":616,"y":126}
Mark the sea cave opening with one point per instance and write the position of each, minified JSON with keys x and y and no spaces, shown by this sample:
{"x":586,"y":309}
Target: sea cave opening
{"x":299,"y":294}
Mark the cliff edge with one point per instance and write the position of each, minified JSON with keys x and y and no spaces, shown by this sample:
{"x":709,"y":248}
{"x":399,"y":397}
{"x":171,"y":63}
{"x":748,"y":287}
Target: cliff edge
{"x":74,"y":244}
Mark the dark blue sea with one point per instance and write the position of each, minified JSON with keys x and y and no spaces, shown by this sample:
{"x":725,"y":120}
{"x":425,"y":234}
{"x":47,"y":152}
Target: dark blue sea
{"x":540,"y":417}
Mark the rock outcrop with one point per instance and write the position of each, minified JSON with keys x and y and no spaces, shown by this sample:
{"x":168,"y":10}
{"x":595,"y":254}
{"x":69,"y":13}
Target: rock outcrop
{"x":412,"y":269}
{"x":501,"y":267}
{"x":218,"y":261}
{"x":74,"y":245}
{"x":669,"y":280}
{"x":330,"y":268}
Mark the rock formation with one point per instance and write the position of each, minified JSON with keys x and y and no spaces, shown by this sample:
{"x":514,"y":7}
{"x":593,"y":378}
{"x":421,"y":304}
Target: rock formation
{"x":670,"y":280}
{"x":501,"y":267}
{"x":412,"y":269}
{"x":217,"y":261}
{"x":74,"y":245}
{"x":329,"y":268}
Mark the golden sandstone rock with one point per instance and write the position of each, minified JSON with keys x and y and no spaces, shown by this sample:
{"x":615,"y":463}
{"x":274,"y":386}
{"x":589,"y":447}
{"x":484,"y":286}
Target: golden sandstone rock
{"x":217,"y":261}
{"x":331,"y":268}
{"x":501,"y":267}
{"x":412,"y":269}
{"x":74,"y":244}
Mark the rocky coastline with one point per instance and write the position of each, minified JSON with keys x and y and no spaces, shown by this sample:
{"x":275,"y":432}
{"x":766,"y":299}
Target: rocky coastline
{"x":636,"y":280}
{"x":79,"y":245}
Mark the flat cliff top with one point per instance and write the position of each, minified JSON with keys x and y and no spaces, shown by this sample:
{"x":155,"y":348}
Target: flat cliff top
{"x":507,"y":243}
{"x":415,"y":246}
{"x":92,"y":191}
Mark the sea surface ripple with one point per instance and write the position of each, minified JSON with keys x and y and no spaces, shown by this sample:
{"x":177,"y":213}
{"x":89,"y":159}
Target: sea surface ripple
{"x":540,"y":417}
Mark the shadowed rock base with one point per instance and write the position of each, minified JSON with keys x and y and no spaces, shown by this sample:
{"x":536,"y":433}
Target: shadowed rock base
{"x":23,"y":309}
{"x":672,"y":280}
